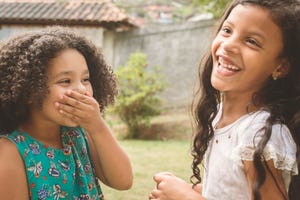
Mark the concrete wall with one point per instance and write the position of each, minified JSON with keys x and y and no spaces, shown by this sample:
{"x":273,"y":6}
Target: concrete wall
{"x":176,"y":48}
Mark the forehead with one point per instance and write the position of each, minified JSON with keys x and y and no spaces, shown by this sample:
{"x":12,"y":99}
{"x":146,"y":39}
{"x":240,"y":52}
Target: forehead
{"x":255,"y":19}
{"x":69,"y":60}
{"x":252,"y":14}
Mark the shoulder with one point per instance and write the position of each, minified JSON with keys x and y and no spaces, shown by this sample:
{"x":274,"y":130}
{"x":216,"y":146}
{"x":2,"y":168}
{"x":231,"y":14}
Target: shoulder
{"x":8,"y":152}
{"x":12,"y":171}
{"x":252,"y":129}
{"x":255,"y":120}
{"x":280,"y":147}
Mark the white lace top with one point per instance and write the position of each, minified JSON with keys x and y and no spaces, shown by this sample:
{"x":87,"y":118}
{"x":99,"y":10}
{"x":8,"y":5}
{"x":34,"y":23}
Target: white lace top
{"x":224,"y":176}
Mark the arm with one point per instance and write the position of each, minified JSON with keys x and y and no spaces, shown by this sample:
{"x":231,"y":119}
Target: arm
{"x":269,"y":189}
{"x":170,"y":187}
{"x":111,"y":163}
{"x":13,"y":183}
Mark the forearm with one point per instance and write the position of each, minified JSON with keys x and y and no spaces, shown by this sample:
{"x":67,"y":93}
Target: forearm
{"x":112,"y":164}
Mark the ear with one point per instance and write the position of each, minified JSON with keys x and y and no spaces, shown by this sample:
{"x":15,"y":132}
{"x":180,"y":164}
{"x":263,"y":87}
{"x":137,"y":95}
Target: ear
{"x":282,"y":70}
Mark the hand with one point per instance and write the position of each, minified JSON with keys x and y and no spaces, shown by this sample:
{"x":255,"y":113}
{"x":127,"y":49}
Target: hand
{"x":111,"y":164}
{"x":170,"y":187}
{"x":80,"y":108}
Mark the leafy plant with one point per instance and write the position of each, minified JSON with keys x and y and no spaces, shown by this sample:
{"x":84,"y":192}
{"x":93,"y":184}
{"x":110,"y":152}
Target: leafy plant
{"x":138,"y":100}
{"x":216,"y":7}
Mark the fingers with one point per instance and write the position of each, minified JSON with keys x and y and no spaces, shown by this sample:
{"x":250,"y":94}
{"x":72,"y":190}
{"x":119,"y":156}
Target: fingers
{"x":72,"y":102}
{"x":77,"y":106}
{"x":154,"y":194}
{"x":75,"y":98}
{"x":151,"y":196}
{"x":161,"y":176}
{"x":197,"y":188}
{"x":69,"y":111}
{"x":161,"y":180}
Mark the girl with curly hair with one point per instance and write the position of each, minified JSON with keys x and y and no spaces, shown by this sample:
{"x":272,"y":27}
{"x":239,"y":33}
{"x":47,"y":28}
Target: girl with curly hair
{"x":247,"y":109}
{"x":54,"y":142}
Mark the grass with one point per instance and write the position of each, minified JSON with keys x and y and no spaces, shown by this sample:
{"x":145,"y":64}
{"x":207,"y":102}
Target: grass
{"x":148,"y":158}
{"x":165,"y":147}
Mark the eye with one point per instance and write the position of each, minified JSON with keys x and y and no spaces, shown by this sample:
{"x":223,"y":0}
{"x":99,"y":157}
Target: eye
{"x":253,"y":42}
{"x":64,"y":81}
{"x":225,"y":31}
{"x":86,"y":79}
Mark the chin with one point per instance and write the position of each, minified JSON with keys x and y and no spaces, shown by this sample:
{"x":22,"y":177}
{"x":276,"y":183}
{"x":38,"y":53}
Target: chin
{"x":217,"y":84}
{"x":69,"y":124}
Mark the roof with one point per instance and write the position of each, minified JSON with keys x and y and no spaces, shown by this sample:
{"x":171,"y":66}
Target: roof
{"x":96,"y":13}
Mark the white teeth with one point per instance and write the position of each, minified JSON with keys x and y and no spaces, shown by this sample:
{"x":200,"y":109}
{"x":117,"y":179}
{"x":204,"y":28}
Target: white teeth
{"x":228,"y":66}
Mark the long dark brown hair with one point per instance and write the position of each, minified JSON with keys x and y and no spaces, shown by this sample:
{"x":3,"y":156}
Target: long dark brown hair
{"x":281,"y":97}
{"x":24,"y":61}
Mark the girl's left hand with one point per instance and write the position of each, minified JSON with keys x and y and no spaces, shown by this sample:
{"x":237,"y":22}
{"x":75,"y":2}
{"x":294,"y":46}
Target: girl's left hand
{"x":112,"y":165}
{"x":170,"y":187}
{"x":81,"y":108}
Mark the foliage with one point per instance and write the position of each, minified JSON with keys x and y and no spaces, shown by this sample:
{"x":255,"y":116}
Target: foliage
{"x":183,"y":10}
{"x":216,"y":7}
{"x":138,"y":100}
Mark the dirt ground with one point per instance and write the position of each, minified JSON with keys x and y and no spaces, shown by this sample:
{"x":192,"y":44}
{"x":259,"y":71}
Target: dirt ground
{"x":170,"y":125}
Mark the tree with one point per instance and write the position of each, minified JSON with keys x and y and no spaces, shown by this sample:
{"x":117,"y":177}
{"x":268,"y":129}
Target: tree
{"x":139,"y":99}
{"x":216,"y":7}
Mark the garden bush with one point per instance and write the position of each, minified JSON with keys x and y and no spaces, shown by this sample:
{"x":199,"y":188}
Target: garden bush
{"x":138,"y":100}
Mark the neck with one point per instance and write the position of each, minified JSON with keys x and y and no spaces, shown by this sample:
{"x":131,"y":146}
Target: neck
{"x":46,"y":133}
{"x":234,"y":107}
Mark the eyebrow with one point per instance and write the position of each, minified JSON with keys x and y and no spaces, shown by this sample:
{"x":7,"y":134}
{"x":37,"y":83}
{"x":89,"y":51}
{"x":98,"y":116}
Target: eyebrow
{"x":249,"y":32}
{"x":63,"y":73}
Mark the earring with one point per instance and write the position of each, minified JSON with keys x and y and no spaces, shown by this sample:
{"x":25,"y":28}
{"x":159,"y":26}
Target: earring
{"x":275,"y":75}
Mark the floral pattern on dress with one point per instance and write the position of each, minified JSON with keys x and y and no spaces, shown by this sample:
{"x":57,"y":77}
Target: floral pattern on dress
{"x":59,"y":174}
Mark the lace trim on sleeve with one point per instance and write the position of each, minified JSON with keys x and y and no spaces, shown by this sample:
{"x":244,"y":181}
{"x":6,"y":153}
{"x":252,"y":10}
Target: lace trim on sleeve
{"x":281,"y":162}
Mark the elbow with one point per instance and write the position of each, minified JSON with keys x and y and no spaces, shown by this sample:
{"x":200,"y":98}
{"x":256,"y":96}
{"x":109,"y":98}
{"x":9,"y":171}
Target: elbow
{"x":123,"y":183}
{"x":126,"y":184}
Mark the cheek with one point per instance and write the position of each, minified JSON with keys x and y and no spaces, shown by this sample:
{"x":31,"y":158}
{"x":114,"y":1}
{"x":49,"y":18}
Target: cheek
{"x":215,"y":45}
{"x":55,"y":94}
{"x":214,"y":48}
{"x":89,"y":88}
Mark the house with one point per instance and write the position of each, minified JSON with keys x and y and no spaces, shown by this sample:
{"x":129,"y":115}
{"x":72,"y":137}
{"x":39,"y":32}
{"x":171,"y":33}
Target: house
{"x":97,"y":20}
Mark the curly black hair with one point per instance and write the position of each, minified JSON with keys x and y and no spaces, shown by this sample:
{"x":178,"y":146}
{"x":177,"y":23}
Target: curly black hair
{"x":24,"y":61}
{"x":281,"y":97}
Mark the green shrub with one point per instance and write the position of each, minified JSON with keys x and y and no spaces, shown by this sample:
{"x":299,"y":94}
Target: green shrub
{"x":138,"y":100}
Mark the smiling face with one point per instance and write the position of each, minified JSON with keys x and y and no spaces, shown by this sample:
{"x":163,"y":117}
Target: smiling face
{"x":67,"y":71}
{"x":246,"y":51}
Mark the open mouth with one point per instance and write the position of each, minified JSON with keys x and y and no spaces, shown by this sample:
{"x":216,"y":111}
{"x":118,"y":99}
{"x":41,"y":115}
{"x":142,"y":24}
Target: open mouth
{"x":224,"y":65}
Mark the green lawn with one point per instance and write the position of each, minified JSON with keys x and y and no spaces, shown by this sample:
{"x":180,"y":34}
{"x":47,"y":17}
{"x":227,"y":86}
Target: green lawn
{"x":148,"y":158}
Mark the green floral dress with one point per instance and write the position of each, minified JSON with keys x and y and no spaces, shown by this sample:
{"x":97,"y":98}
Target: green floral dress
{"x":55,"y":174}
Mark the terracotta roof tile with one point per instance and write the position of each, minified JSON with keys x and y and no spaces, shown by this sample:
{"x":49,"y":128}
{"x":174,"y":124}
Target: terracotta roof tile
{"x":103,"y":13}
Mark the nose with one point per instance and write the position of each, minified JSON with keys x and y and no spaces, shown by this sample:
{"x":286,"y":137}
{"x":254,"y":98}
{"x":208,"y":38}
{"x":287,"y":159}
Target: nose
{"x":230,"y":45}
{"x":79,"y":87}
